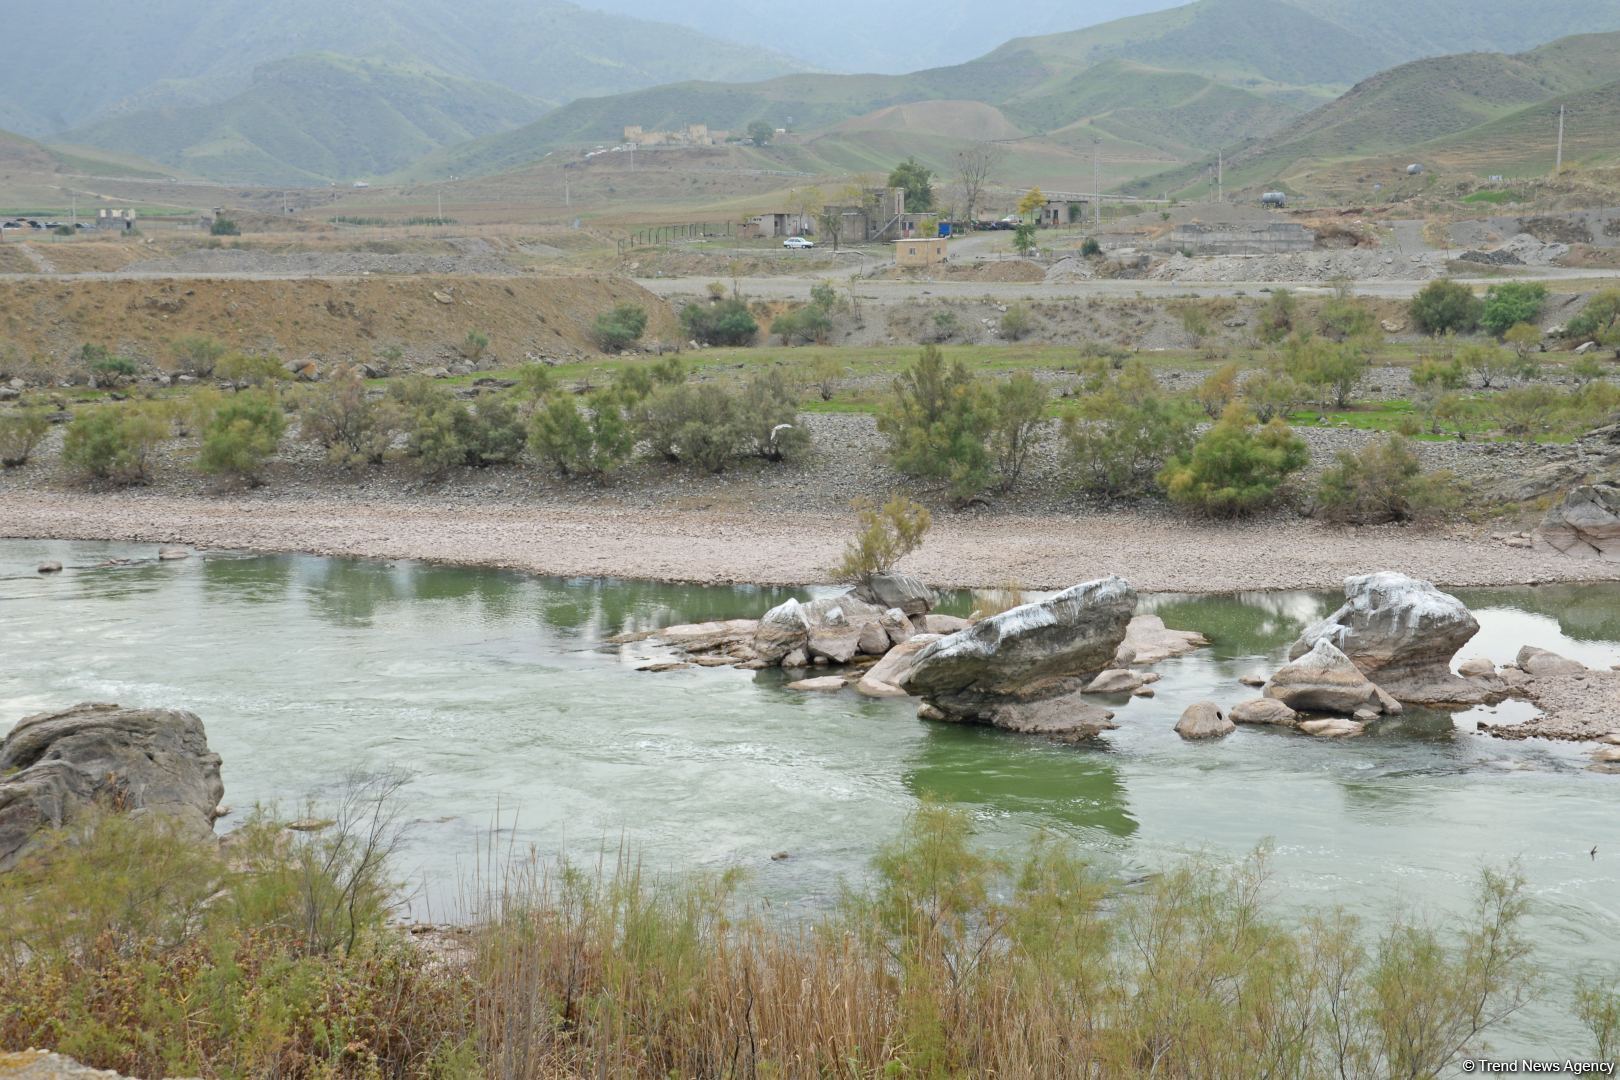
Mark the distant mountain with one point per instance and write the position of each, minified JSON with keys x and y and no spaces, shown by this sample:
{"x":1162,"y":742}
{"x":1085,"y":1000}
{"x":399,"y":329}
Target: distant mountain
{"x":1201,"y":75}
{"x":22,"y":157}
{"x":1487,"y":110}
{"x":190,"y":52}
{"x":314,"y":119}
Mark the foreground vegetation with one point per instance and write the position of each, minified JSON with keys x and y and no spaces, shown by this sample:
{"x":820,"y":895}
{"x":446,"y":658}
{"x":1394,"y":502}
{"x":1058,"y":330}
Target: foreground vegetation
{"x":129,"y":948}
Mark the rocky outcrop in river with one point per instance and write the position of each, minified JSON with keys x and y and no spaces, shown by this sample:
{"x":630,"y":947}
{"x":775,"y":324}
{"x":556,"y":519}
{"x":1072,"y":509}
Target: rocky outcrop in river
{"x":1401,"y":633}
{"x":138,"y":761}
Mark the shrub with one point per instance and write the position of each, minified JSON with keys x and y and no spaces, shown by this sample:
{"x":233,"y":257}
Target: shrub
{"x":241,"y":369}
{"x":224,"y":226}
{"x":1277,"y":316}
{"x":1024,"y":241}
{"x":1382,"y":482}
{"x":21,"y":430}
{"x":105,"y":368}
{"x":618,"y":329}
{"x":1271,"y":392}
{"x":1016,"y":323}
{"x":241,"y":436}
{"x":803,"y":325}
{"x":1218,"y":390}
{"x":936,"y":425}
{"x":196,"y":354}
{"x":339,"y":415}
{"x":443,"y":433}
{"x":768,"y":415}
{"x":1194,"y":320}
{"x":1344,"y":317}
{"x":1491,"y":364}
{"x":697,"y":424}
{"x":588,"y":437}
{"x":826,"y":375}
{"x":474,"y":345}
{"x":942,"y":327}
{"x":1332,"y":369}
{"x":1525,"y":412}
{"x":1445,"y":307}
{"x":1091,"y":247}
{"x":883,"y":536}
{"x":1122,"y":429}
{"x":532,"y":384}
{"x":1235,"y":468}
{"x":1599,"y":320}
{"x":724,"y":322}
{"x":114,"y":443}
{"x":1018,"y":415}
{"x":1511,"y":303}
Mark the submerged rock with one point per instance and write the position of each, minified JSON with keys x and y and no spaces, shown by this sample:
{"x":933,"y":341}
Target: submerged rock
{"x":1333,"y":728}
{"x":1402,"y":633}
{"x":824,"y":684}
{"x":1585,"y":525}
{"x":882,"y":678}
{"x":1324,"y":680}
{"x":141,"y":761}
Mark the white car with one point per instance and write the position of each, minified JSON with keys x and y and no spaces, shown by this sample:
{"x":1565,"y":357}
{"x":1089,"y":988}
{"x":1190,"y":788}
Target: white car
{"x":798,"y":242}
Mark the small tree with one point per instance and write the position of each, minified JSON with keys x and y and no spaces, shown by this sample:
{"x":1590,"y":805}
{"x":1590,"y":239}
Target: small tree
{"x":1031,"y":202}
{"x":1018,"y":416}
{"x":936,"y":425}
{"x":1384,"y":481}
{"x":342,"y":418}
{"x":1490,"y":363}
{"x":726,"y":322}
{"x":768,"y":415}
{"x":761,"y":133}
{"x":1526,"y":412}
{"x":1332,"y":369}
{"x":588,"y":438}
{"x":698,"y":425}
{"x":1237,"y":467}
{"x":1122,"y":429}
{"x":1016,"y":323}
{"x":242,"y":369}
{"x":826,"y":374}
{"x":1272,"y":393}
{"x":1218,"y":390}
{"x":918,"y":180}
{"x":1511,"y":303}
{"x":1024,"y":241}
{"x":114,"y":443}
{"x":974,"y":167}
{"x":883,"y":536}
{"x":620,"y":328}
{"x":1445,"y":307}
{"x":196,"y":354}
{"x":224,"y":226}
{"x":241,"y":436}
{"x":21,"y":431}
{"x":1277,"y":316}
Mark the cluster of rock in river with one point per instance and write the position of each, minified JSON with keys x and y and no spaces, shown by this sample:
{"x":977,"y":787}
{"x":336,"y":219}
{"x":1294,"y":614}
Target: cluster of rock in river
{"x":1038,"y":668}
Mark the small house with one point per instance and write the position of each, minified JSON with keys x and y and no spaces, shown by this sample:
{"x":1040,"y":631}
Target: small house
{"x":921,"y":252}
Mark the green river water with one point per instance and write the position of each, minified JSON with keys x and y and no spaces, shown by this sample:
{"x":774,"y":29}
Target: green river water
{"x":494,"y":689}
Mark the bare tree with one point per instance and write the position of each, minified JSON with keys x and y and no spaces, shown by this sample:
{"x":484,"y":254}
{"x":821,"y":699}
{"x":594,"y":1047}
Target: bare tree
{"x":973,"y":168}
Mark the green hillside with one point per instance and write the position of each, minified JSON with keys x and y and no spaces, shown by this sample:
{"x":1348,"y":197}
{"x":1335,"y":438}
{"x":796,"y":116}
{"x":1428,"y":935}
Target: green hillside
{"x":21,"y":156}
{"x":1463,"y":105}
{"x":1524,"y":142}
{"x":189,"y":52}
{"x":316,"y":119}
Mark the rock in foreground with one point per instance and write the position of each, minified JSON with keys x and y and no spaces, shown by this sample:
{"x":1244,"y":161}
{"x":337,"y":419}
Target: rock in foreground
{"x":1325,"y":681}
{"x":141,"y":761}
{"x":1204,"y":720}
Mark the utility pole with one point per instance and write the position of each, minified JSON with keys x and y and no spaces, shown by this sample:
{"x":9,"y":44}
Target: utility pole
{"x":1096,"y":181}
{"x":568,"y":199}
{"x":1220,"y":176}
{"x":441,"y":206}
{"x":1558,"y":165}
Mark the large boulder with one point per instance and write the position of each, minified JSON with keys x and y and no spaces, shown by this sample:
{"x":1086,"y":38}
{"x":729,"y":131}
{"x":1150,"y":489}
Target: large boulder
{"x":882,"y":678}
{"x":1029,"y":653}
{"x":1534,"y":661}
{"x":893,"y":589}
{"x":1586,"y":524}
{"x":1325,"y":680}
{"x":710,"y":636}
{"x":1401,"y":633}
{"x":1148,"y":641}
{"x":1263,"y":711}
{"x":1204,"y":720}
{"x":835,"y":627}
{"x":145,"y":762}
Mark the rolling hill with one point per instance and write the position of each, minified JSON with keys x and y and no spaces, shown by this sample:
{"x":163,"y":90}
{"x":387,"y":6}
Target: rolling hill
{"x":1488,"y":111}
{"x":22,"y":157}
{"x":314,"y":119}
{"x":193,"y":52}
{"x":1180,"y":82}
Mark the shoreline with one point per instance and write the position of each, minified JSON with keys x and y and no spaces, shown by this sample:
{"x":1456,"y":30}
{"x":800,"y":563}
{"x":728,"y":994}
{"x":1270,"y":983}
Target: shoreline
{"x":794,"y":548}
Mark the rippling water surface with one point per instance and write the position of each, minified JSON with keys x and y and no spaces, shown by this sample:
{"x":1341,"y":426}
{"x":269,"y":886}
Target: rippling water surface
{"x":495,"y":691}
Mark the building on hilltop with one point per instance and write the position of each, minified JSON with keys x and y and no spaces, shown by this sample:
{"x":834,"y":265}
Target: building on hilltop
{"x":122,"y":218}
{"x":690,"y":135}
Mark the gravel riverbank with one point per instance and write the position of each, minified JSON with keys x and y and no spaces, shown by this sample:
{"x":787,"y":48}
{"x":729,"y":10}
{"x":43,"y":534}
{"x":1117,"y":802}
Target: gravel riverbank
{"x":1156,"y":552}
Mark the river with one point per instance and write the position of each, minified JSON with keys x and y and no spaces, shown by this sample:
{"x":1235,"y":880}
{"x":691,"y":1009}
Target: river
{"x":495,"y":690}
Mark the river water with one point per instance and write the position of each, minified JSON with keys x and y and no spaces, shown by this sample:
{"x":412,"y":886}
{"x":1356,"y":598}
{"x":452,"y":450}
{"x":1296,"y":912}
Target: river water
{"x":495,"y":691}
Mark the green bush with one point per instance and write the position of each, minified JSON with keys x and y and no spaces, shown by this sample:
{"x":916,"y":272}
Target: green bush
{"x":1017,"y":420}
{"x":803,"y":325}
{"x":1218,"y":390}
{"x":936,"y":425}
{"x":942,"y":326}
{"x":1382,"y":482}
{"x":698,"y":424}
{"x":1277,"y":316}
{"x":1491,"y":364}
{"x":1332,"y":369}
{"x":1599,"y":320}
{"x":1091,"y":247}
{"x":107,"y":369}
{"x":114,"y":443}
{"x":587,"y":437}
{"x":241,"y":436}
{"x":1024,"y":241}
{"x":444,"y":433}
{"x":1344,"y":317}
{"x":342,"y":418}
{"x":196,"y":354}
{"x":825,"y":375}
{"x":883,"y":536}
{"x":1445,"y":307}
{"x":768,"y":415}
{"x":1121,"y":430}
{"x":1271,"y":392}
{"x":21,"y":430}
{"x":1511,"y":303}
{"x":474,"y":345}
{"x":1016,"y":323}
{"x":1526,"y":412}
{"x":243,"y":369}
{"x":1236,"y":467}
{"x":620,"y":328}
{"x":224,"y":226}
{"x":723,"y":322}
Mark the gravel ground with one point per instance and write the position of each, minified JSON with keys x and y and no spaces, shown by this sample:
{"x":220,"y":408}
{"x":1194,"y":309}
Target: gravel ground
{"x":298,"y":264}
{"x":1577,"y":707}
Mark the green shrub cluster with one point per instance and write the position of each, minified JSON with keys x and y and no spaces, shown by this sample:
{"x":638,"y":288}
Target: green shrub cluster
{"x":352,"y":426}
{"x":813,"y":321}
{"x":618,"y":329}
{"x":21,"y":431}
{"x":442,"y":432}
{"x":1511,"y":303}
{"x":1121,"y":429}
{"x":1383,"y":482}
{"x":725,"y":321}
{"x":115,"y":443}
{"x":240,"y":435}
{"x":1237,"y":467}
{"x":1445,"y":307}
